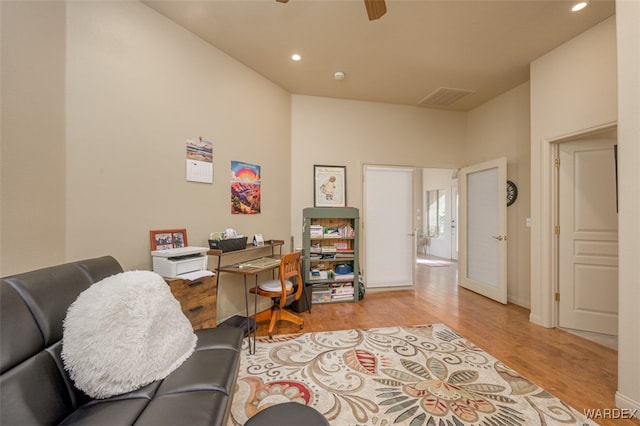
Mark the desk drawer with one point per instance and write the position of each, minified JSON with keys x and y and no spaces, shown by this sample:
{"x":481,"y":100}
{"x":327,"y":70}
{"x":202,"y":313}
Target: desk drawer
{"x":201,"y":315}
{"x":197,"y":299}
{"x":184,"y":290}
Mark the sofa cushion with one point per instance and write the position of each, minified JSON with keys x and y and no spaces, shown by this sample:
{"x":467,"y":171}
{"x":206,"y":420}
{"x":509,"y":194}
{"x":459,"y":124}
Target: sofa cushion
{"x":24,"y":336}
{"x":48,"y":292}
{"x":34,"y":392}
{"x":195,"y":408}
{"x":125,"y":332}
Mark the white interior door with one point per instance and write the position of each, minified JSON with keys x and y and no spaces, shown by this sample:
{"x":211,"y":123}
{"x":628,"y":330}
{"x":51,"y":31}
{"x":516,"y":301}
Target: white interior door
{"x":482,"y":221}
{"x":388,"y":226}
{"x":588,"y":241}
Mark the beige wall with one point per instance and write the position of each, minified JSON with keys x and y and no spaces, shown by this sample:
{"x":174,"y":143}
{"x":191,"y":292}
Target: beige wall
{"x":500,"y":128}
{"x":588,"y":84}
{"x":573,"y":91}
{"x":137,"y":86}
{"x":628,"y":42}
{"x":32,"y":136}
{"x":353,"y":133}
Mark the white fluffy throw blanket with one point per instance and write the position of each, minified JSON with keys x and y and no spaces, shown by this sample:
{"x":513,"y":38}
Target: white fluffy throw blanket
{"x":123,"y":333}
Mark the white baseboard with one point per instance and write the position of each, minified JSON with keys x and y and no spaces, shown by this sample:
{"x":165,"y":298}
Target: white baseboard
{"x":535,"y":319}
{"x":519,"y":302}
{"x":625,"y":402}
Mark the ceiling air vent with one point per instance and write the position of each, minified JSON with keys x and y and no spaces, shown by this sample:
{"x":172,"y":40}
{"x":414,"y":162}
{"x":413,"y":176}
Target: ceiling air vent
{"x":445,"y":96}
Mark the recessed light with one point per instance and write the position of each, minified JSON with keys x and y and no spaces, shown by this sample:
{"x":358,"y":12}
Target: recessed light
{"x":296,"y":57}
{"x":579,"y":6}
{"x":339,"y":75}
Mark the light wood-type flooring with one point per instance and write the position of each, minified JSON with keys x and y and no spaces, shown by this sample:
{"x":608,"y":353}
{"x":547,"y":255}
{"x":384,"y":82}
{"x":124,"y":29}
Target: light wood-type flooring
{"x":580,"y":372}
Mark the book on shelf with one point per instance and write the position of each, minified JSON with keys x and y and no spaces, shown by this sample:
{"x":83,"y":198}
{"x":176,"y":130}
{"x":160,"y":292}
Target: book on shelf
{"x":342,"y":291}
{"x":345,"y":255}
{"x":316,"y":231}
{"x":341,"y":296}
{"x":343,"y":277}
{"x":315,"y":274}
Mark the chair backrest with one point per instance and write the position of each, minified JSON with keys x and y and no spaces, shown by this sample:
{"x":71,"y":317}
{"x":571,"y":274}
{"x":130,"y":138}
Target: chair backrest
{"x":290,"y":267}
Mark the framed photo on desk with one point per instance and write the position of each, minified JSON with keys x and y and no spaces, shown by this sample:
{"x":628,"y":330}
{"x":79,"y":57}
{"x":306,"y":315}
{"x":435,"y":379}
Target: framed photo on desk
{"x":165,"y":239}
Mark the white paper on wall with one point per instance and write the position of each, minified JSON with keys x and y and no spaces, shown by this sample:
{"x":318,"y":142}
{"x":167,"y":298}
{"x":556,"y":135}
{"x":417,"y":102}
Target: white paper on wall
{"x":199,"y":160}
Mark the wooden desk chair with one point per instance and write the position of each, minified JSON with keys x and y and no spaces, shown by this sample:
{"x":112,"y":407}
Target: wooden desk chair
{"x":281,"y":292}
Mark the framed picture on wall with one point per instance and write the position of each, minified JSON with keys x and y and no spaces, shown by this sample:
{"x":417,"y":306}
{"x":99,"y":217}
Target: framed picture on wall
{"x":330,"y":186}
{"x":165,"y":239}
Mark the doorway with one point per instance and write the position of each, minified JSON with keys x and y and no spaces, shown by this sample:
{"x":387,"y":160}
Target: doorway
{"x":388,"y":226}
{"x":437,"y":233}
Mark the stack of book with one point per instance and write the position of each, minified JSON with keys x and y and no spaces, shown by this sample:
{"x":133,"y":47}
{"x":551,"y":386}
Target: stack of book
{"x":341,"y":291}
{"x":316,"y":231}
{"x":344,"y":277}
{"x":343,"y":251}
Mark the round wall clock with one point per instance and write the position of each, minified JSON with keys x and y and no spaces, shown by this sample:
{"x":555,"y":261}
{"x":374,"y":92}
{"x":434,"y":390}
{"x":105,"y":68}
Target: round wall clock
{"x":512,"y":192}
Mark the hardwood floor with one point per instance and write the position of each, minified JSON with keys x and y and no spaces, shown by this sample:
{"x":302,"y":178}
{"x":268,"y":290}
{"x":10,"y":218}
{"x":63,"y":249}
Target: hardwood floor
{"x":580,"y":372}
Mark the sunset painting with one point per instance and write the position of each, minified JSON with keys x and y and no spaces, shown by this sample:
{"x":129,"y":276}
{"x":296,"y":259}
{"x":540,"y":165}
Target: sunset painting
{"x":245,"y":188}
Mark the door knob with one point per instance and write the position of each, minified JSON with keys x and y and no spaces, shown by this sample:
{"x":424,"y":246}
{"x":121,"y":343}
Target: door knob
{"x":498,"y":237}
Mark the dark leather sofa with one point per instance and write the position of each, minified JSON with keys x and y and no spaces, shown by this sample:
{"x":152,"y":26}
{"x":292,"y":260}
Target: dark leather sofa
{"x":36,"y":390}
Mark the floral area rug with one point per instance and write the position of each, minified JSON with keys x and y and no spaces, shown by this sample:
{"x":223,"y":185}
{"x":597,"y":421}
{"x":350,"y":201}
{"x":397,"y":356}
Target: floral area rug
{"x":421,"y":375}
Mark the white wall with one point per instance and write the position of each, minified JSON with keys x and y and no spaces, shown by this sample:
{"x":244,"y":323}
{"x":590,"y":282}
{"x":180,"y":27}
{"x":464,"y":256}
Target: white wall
{"x":628,"y":42}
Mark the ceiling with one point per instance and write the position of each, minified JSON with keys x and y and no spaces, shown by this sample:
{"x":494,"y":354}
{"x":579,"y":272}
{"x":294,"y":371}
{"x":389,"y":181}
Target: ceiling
{"x":417,"y":47}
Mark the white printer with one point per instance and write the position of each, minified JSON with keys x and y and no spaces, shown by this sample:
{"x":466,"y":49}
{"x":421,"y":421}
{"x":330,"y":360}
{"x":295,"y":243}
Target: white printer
{"x":172,"y":263}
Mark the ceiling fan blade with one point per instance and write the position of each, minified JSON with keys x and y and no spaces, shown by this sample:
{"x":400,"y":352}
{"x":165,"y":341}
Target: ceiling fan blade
{"x":375,"y":8}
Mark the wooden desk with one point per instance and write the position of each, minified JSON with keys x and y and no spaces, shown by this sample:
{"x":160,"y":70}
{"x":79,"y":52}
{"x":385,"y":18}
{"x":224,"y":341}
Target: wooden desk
{"x":270,"y":244}
{"x":234,"y":268}
{"x":246,"y":271}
